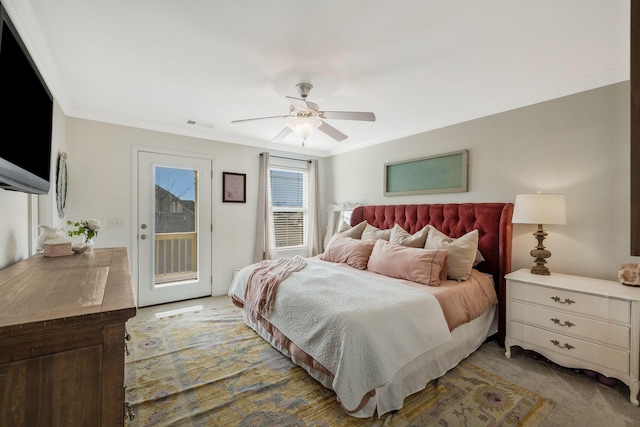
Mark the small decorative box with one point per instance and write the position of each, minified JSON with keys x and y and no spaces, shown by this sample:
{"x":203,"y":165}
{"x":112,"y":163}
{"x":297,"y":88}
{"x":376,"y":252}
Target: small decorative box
{"x":57,"y":249}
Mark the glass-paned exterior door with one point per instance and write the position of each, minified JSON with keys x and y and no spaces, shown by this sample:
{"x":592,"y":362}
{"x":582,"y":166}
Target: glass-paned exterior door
{"x":174,"y":236}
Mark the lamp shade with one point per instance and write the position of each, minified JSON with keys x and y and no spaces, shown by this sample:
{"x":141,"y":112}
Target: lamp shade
{"x":540,"y":208}
{"x":304,"y":127}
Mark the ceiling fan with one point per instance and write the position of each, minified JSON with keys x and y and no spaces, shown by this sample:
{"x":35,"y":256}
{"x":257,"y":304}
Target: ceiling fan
{"x":305,"y":117}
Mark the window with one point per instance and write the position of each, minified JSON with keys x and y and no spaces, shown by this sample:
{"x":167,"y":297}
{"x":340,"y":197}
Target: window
{"x":289,"y":200}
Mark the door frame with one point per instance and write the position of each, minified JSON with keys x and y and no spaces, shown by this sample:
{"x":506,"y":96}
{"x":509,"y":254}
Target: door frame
{"x":135,"y":150}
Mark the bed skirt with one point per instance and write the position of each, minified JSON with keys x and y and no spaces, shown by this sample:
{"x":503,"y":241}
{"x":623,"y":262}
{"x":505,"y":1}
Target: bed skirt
{"x":414,"y":376}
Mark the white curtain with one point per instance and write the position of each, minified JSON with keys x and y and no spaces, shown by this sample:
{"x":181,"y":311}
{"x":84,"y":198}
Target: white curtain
{"x":314,"y":239}
{"x":265,"y":245}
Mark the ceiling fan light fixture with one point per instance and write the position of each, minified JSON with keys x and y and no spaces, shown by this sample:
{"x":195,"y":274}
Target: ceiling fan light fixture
{"x":304,"y":127}
{"x":305,"y":118}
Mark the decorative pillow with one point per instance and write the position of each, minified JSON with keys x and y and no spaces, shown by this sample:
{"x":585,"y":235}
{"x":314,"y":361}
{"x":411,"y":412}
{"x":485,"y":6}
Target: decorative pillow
{"x":355,"y":231}
{"x":354,"y":252}
{"x":461,"y":252}
{"x":374,"y":233}
{"x":479,"y":258}
{"x":343,"y":226}
{"x":402,"y":262}
{"x":416,"y":240}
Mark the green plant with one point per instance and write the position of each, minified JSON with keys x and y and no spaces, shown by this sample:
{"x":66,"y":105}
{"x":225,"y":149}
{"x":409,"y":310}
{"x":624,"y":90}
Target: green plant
{"x":86,"y":227}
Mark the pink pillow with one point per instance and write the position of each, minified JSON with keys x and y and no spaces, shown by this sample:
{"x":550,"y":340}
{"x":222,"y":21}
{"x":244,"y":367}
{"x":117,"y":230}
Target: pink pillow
{"x":402,"y":262}
{"x":354,"y":252}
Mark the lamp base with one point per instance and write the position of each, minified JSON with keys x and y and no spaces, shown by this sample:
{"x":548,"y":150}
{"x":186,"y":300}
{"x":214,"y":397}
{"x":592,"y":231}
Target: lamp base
{"x":540,"y":269}
{"x":540,"y":253}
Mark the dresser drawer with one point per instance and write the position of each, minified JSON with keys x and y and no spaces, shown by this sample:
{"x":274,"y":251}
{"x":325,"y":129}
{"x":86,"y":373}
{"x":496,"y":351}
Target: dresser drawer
{"x":580,"y":350}
{"x":609,"y":309}
{"x":573,"y":325}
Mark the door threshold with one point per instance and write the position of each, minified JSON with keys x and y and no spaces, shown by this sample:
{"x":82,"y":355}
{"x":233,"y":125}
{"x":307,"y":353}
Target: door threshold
{"x":178,"y":311}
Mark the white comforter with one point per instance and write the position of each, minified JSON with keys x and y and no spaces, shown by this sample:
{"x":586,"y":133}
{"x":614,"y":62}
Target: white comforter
{"x":361,"y":326}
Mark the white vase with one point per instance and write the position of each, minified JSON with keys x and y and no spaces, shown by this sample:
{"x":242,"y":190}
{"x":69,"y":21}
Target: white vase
{"x":49,"y":233}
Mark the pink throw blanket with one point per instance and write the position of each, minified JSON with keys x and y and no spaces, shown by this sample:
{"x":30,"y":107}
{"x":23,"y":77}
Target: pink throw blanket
{"x":262,"y":285}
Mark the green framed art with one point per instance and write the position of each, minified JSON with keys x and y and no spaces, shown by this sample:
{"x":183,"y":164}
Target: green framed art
{"x":442,"y":173}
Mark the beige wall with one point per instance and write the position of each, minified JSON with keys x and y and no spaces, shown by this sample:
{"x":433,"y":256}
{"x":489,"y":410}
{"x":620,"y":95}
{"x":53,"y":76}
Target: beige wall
{"x":101,"y":185}
{"x":576,"y":145}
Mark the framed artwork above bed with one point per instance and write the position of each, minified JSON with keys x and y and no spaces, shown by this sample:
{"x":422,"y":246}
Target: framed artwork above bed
{"x":442,"y":173}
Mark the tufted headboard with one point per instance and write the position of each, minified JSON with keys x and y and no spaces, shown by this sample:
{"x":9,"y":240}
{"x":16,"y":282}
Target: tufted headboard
{"x":493,"y":221}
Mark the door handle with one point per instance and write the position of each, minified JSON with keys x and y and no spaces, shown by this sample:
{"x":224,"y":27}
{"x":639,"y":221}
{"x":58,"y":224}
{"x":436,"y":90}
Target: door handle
{"x":143,"y":236}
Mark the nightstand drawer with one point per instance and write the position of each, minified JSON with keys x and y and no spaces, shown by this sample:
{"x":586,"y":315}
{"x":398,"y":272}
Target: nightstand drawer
{"x":583,"y":352}
{"x":608,"y":309}
{"x":577,"y":322}
{"x":573,"y":325}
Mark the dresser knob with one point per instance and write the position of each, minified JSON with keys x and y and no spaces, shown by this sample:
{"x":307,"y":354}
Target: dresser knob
{"x":566,"y":300}
{"x":128,"y":412}
{"x":565,"y":345}
{"x":565,"y":323}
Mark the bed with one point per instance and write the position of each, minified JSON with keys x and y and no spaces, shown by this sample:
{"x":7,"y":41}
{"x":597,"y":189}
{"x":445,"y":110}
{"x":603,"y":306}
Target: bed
{"x":369,"y":325}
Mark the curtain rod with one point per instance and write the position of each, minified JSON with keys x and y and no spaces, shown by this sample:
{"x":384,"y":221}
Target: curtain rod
{"x":289,"y":158}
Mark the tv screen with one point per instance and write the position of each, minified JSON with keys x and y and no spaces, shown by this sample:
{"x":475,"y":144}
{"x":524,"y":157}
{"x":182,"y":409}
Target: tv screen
{"x":26,"y":119}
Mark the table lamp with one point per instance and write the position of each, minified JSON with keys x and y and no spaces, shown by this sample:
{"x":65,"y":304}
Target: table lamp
{"x":540,"y":208}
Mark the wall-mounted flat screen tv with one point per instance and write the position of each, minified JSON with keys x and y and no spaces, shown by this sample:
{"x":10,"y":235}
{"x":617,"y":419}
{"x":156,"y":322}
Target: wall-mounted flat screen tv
{"x":26,"y":118}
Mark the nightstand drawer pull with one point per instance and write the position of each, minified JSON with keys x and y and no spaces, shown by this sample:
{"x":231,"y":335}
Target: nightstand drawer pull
{"x":565,"y":323}
{"x":566,"y":300}
{"x":565,"y":345}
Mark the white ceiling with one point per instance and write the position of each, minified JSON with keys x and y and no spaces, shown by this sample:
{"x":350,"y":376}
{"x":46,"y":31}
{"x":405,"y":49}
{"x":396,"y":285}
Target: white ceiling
{"x":418,"y":65}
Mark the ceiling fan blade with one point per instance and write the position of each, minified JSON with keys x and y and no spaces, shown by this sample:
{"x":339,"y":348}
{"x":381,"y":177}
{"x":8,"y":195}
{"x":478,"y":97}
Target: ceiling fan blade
{"x":282,"y":135}
{"x":350,"y":115}
{"x":298,"y":104}
{"x":259,"y":118}
{"x":332,"y":132}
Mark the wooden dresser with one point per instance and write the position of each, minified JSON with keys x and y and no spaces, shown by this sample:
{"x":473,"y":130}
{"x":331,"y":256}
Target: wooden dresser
{"x":577,"y":322}
{"x":62,"y":339}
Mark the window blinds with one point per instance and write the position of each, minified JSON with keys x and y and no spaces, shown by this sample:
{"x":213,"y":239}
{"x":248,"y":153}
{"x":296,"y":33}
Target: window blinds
{"x":289,"y":198}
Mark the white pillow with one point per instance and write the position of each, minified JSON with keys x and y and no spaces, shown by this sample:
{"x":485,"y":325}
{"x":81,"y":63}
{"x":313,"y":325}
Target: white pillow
{"x":461,"y":252}
{"x":374,"y":233}
{"x":343,"y":226}
{"x":416,"y":240}
{"x":354,"y":232}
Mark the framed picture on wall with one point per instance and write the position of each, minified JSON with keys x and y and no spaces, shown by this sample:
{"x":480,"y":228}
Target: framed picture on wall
{"x":234,"y":187}
{"x":442,"y":173}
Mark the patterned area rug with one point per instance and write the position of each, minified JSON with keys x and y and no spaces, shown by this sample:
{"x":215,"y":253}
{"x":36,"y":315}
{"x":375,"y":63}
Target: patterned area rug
{"x":209,"y":369}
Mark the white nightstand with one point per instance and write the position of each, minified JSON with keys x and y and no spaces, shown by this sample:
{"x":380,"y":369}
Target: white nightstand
{"x":576,"y":322}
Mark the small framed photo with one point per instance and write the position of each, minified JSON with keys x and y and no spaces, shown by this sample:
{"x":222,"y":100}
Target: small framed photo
{"x":234,"y":187}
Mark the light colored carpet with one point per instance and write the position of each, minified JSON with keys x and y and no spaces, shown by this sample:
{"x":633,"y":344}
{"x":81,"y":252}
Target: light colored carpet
{"x":579,"y":400}
{"x":209,"y":369}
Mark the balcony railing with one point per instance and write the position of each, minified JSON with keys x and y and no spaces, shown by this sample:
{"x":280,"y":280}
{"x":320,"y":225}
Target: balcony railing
{"x":176,"y":257}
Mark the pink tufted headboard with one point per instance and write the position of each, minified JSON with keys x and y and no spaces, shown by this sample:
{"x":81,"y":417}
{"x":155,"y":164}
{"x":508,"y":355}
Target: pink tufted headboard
{"x":493,"y":221}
